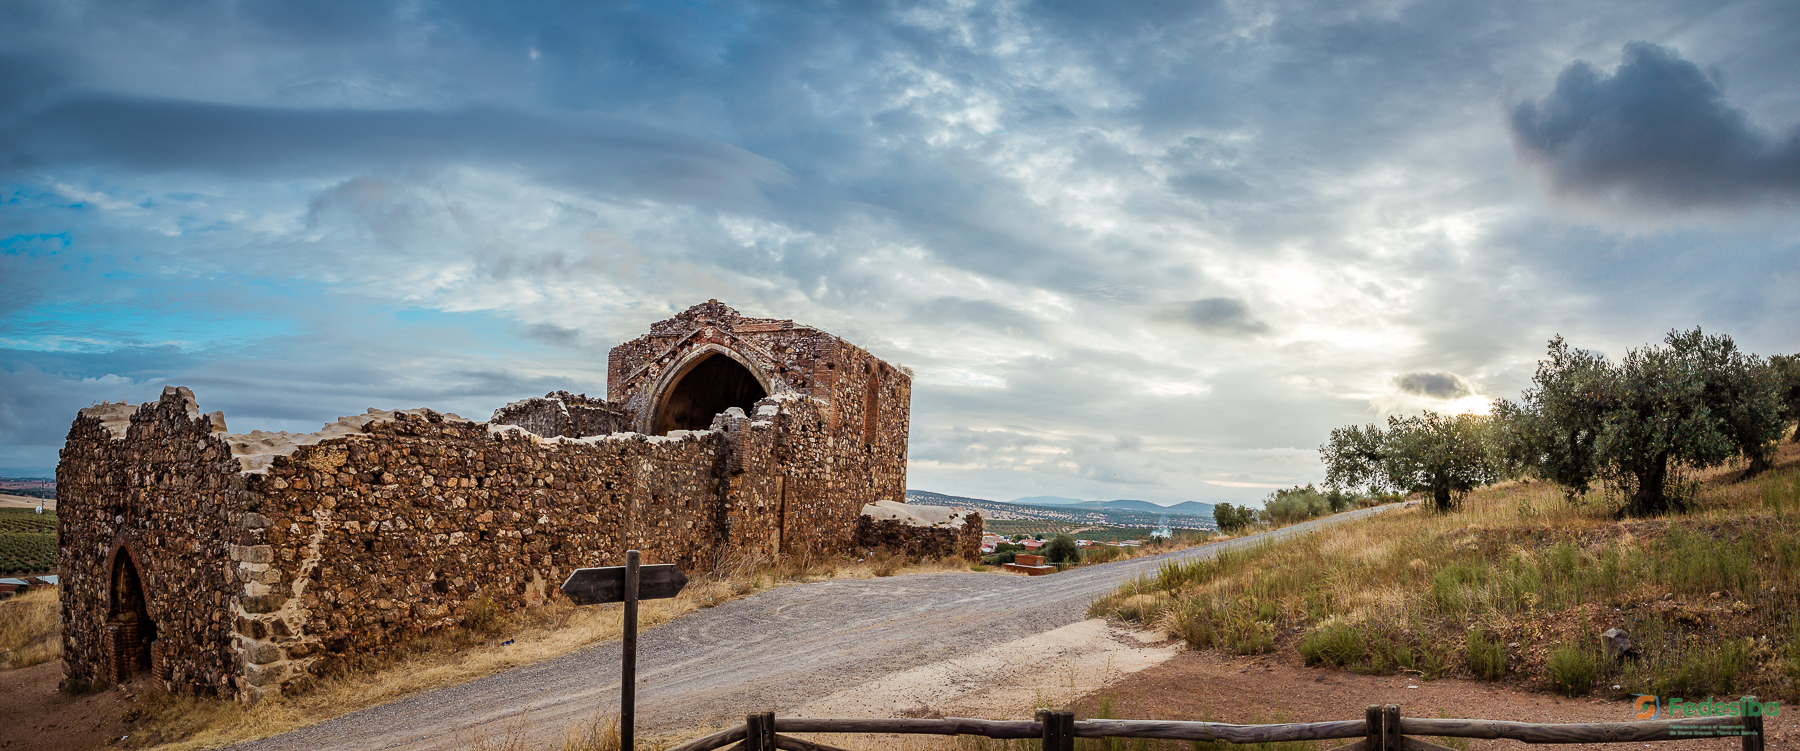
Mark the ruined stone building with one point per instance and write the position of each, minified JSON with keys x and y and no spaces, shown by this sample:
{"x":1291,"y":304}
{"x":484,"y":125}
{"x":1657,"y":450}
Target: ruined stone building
{"x":238,"y":564}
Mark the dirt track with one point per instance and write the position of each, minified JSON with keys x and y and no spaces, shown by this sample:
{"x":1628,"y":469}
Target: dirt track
{"x":774,"y":651}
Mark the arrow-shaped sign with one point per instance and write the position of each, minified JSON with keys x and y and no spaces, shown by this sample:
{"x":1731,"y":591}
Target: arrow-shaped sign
{"x":598,"y":586}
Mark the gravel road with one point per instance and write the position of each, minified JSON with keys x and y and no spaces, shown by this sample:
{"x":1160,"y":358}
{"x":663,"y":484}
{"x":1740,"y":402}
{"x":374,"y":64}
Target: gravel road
{"x":772,"y":651}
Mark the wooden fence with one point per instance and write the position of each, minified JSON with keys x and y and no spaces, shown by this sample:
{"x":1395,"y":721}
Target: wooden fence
{"x":1381,"y":729}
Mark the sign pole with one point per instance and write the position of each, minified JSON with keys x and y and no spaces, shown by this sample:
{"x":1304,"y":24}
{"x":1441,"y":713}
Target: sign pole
{"x":627,"y":584}
{"x":628,"y":671}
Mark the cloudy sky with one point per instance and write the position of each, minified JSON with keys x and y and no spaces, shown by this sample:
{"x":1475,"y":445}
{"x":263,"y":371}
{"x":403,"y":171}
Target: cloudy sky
{"x":1131,"y":250}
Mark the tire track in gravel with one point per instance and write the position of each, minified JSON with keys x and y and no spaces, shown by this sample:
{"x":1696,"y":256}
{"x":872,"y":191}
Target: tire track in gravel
{"x":771,"y":651}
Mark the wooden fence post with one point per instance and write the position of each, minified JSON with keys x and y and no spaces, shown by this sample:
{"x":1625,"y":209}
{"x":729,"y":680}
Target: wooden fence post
{"x":759,"y":732}
{"x":1059,"y":730}
{"x":1390,"y":728}
{"x":1372,"y":728}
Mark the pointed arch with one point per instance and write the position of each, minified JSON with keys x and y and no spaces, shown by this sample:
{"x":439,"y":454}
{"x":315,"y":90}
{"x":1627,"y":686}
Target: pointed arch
{"x":708,"y":380}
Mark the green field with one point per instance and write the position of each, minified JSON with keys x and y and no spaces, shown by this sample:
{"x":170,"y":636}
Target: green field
{"x":27,"y":520}
{"x":27,"y":541}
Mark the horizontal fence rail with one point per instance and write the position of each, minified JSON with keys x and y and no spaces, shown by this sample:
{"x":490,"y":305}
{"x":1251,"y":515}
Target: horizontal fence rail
{"x":1381,"y":729}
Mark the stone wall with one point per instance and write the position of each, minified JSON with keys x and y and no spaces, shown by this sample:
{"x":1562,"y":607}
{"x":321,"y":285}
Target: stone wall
{"x":241,"y":564}
{"x":561,"y":413}
{"x":920,"y":531}
{"x":151,"y":490}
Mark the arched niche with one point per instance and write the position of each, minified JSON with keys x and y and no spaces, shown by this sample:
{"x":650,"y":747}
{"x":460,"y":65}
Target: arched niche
{"x":128,"y":615}
{"x":710,"y":380}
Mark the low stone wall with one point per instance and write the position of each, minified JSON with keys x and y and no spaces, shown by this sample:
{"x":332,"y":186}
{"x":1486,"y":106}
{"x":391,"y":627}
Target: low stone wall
{"x":919,"y":541}
{"x":563,"y":414}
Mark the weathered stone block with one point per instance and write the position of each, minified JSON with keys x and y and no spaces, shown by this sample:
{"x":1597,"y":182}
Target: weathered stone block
{"x":264,"y":603}
{"x":262,"y":653}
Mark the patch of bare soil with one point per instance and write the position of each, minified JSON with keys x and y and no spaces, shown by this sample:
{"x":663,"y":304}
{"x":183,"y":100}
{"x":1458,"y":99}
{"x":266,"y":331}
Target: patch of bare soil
{"x":38,"y":716}
{"x":1213,"y":687}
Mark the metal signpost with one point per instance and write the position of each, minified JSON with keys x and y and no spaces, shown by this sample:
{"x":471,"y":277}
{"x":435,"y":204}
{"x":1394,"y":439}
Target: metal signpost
{"x":628,"y":584}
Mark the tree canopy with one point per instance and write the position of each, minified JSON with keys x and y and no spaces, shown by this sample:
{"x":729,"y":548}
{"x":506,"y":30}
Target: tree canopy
{"x":1694,"y":401}
{"x":1445,"y":456}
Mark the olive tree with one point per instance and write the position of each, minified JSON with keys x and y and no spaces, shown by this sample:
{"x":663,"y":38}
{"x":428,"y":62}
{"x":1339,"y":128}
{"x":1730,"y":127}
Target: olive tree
{"x":1444,"y":456}
{"x":1694,"y":402}
{"x":1550,"y":433}
{"x":1787,"y":388}
{"x":1741,"y":392}
{"x":1356,"y":458}
{"x":1231,"y":518}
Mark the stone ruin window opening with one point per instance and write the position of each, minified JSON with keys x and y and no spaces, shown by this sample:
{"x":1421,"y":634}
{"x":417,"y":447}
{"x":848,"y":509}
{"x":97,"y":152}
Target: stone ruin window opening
{"x":128,"y":618}
{"x":711,"y":385}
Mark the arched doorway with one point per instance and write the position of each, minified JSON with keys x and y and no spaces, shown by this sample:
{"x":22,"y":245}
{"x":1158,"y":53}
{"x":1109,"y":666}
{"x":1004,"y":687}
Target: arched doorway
{"x":711,"y":385}
{"x":128,"y":618}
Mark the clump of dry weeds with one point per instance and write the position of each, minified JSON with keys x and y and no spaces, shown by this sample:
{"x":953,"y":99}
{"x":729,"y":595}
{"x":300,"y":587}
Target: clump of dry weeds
{"x":31,"y":628}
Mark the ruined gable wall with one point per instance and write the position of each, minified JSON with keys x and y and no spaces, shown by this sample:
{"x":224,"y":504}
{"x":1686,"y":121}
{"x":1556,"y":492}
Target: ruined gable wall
{"x":167,"y":490}
{"x":795,"y":359}
{"x":883,"y":439}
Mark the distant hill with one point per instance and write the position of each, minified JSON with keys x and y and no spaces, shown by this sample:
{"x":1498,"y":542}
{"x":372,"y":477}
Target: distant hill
{"x":1048,"y":500}
{"x":1147,"y":514}
{"x":1192,"y":508}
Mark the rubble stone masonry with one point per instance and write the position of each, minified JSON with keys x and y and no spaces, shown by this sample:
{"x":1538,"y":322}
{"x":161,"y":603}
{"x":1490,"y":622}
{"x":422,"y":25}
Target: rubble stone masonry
{"x":241,"y":564}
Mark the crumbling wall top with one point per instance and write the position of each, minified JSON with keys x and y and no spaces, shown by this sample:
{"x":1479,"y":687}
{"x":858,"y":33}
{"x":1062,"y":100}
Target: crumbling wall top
{"x":915,"y":516}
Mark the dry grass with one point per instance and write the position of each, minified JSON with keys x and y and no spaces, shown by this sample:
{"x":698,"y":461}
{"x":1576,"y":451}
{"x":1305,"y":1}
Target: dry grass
{"x":1518,"y":574}
{"x":457,"y":656}
{"x":31,"y":628}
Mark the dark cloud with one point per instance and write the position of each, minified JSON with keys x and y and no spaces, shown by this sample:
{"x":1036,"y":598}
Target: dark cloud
{"x":1657,"y":133}
{"x":1226,"y":316}
{"x":550,"y":333}
{"x":1434,"y":385}
{"x":590,"y":152}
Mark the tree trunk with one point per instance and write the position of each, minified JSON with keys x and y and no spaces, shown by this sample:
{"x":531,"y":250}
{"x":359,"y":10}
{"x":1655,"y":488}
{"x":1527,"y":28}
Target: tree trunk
{"x":1441,"y":496}
{"x":1650,"y":498}
{"x":1758,"y":465}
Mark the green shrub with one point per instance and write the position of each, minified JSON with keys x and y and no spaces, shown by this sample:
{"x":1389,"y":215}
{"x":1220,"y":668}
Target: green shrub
{"x":1295,"y":504}
{"x":1102,"y":553}
{"x":1336,"y":645}
{"x":1710,"y":669}
{"x":1450,"y":587}
{"x":1486,"y":659}
{"x":1194,"y":622}
{"x":1062,"y":549}
{"x":1573,"y":669}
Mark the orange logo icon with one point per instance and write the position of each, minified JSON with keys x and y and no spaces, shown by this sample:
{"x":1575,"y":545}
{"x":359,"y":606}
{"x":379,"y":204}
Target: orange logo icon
{"x":1646,"y":707}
